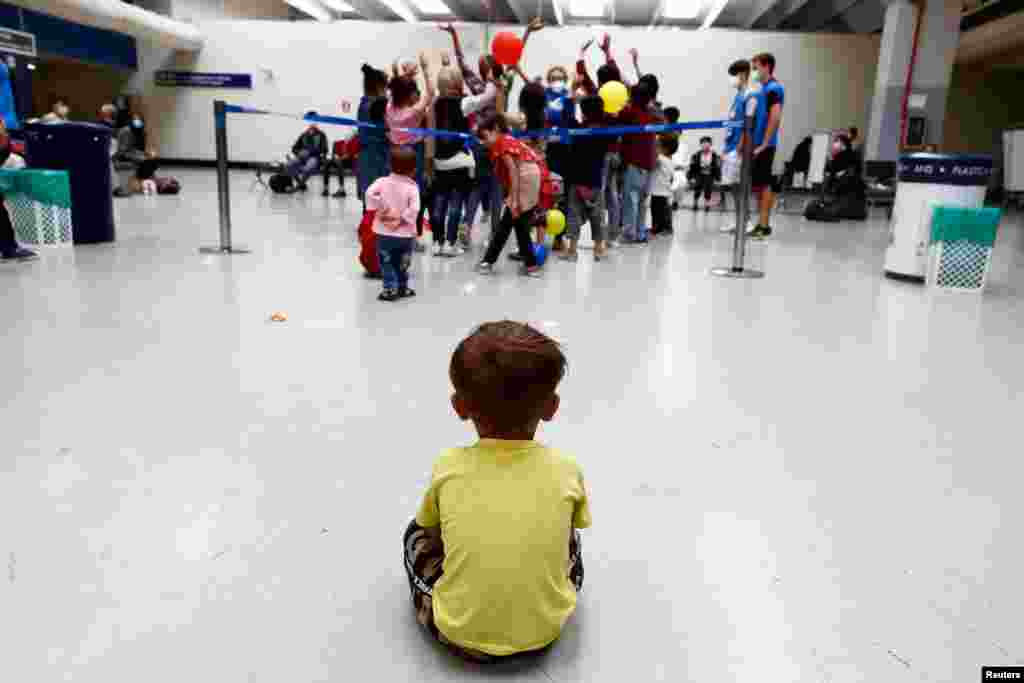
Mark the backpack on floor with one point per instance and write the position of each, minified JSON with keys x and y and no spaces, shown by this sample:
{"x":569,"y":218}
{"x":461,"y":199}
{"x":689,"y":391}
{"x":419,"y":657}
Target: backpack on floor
{"x":280,"y":183}
{"x":167,"y":185}
{"x":368,"y":245}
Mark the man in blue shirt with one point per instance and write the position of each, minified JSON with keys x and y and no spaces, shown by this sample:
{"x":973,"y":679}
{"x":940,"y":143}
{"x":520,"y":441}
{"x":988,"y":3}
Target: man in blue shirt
{"x":770,"y":98}
{"x":739,"y":79}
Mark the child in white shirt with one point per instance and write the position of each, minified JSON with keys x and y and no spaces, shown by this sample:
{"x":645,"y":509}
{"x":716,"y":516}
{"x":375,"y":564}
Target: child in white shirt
{"x":661,"y":186}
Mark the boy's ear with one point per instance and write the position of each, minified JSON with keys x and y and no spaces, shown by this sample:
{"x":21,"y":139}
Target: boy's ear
{"x":551,"y":407}
{"x":459,"y":406}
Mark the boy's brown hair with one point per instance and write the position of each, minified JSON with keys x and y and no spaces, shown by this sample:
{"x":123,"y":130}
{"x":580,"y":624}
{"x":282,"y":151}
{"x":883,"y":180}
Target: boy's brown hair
{"x":505,"y":371}
{"x":403,"y":161}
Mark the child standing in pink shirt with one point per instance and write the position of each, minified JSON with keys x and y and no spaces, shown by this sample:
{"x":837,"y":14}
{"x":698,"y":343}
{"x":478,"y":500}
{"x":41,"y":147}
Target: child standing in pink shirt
{"x":396,"y":200}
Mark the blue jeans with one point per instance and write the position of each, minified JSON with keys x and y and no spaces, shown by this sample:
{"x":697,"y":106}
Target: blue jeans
{"x":450,"y":190}
{"x":301,"y":169}
{"x":487,"y":193}
{"x":395,"y":255}
{"x":612,"y":191}
{"x":636,"y":187}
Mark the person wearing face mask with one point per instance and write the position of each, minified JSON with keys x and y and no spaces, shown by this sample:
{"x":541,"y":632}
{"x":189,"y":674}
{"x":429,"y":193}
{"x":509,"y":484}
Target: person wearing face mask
{"x":843,"y":186}
{"x":559,"y":112}
{"x":705,"y":171}
{"x":731,"y":164}
{"x":767,"y":121}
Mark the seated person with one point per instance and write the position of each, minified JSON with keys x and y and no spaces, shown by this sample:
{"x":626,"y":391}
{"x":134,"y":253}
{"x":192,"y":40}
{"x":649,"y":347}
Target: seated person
{"x":493,"y":557}
{"x":845,"y":189}
{"x":310,"y":153}
{"x":705,"y":170}
{"x":59,"y":112}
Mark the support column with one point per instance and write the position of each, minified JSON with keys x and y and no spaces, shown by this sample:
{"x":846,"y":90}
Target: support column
{"x":936,"y":52}
{"x":933,"y":67}
{"x":883,"y":140}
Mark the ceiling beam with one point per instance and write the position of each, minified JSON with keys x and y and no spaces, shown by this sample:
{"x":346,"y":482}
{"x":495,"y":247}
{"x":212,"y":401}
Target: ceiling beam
{"x":817,"y":14}
{"x":866,"y":16}
{"x":777,"y":13}
{"x":520,"y":9}
{"x":373,"y":10}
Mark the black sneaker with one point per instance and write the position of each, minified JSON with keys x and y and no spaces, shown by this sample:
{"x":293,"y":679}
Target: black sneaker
{"x":760,"y":232}
{"x":20,"y":254}
{"x":388,"y":295}
{"x":515,"y":256}
{"x":406,"y":292}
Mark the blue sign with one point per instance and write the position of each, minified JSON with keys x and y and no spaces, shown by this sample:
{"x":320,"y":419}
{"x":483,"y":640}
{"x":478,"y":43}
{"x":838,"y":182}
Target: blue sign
{"x":946,"y":169}
{"x":197,"y":79}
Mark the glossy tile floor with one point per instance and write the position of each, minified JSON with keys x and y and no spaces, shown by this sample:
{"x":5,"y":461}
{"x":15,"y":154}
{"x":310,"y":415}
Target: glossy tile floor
{"x":815,"y":477}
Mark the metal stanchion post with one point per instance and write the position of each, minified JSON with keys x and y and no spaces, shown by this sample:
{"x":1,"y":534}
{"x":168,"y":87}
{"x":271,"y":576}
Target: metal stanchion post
{"x":220,"y":120}
{"x":739,"y":242}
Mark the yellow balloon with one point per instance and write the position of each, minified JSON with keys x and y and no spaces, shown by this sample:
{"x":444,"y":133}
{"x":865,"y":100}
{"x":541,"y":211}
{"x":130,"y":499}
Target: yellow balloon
{"x":556,"y":222}
{"x":614,"y":95}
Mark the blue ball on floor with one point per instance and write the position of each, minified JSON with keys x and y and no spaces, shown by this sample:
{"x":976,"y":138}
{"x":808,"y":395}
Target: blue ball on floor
{"x":540,"y":252}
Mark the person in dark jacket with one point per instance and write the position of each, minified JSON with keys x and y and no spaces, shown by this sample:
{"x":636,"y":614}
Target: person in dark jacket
{"x":374,"y":148}
{"x":9,"y":247}
{"x":705,"y":170}
{"x":310,"y":152}
{"x":844,"y":187}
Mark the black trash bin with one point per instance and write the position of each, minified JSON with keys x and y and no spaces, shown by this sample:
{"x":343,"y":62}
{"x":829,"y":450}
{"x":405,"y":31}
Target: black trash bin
{"x":83,"y":150}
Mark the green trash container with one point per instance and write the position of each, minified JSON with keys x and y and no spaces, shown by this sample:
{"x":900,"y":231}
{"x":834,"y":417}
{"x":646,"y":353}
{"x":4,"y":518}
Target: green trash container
{"x":960,"y":254}
{"x":39,"y":203}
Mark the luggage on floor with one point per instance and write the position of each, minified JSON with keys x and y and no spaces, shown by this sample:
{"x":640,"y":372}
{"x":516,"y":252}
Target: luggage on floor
{"x":280,"y":183}
{"x":838,"y":209}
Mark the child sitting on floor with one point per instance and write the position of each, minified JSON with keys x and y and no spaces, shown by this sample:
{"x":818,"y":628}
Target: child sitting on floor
{"x":493,"y":557}
{"x":395,"y":199}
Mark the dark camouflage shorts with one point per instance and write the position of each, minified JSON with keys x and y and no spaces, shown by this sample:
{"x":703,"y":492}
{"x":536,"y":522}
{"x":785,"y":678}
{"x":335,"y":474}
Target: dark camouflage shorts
{"x":424,"y":564}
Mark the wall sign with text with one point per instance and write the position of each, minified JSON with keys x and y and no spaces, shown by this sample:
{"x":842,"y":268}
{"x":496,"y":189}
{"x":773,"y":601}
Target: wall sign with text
{"x":198,"y":79}
{"x":18,"y":42}
{"x":945,"y":169}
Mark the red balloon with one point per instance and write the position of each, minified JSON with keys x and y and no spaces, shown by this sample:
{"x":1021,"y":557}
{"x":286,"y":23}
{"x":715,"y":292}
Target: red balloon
{"x":507,"y":48}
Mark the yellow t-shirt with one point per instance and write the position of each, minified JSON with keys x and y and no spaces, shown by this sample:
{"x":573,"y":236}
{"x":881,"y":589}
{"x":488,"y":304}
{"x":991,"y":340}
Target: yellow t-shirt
{"x":506,"y":509}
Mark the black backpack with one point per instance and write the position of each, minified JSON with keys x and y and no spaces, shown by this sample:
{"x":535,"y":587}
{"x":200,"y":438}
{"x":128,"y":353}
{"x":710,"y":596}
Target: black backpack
{"x":280,"y":183}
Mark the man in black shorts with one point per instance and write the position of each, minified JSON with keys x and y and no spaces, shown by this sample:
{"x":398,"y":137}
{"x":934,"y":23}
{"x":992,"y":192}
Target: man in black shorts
{"x":770,"y":98}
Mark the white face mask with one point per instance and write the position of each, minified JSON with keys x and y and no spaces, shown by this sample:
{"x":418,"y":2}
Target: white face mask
{"x":734,"y":82}
{"x":559,"y":86}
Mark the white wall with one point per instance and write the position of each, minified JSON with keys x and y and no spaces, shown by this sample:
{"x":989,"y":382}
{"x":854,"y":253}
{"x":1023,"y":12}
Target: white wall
{"x":302,"y":66}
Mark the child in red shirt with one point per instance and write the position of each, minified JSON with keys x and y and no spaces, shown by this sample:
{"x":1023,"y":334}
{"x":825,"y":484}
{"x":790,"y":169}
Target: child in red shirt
{"x":518,"y":169}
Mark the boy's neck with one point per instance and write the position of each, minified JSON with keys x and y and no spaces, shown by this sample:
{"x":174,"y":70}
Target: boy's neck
{"x":525,"y":433}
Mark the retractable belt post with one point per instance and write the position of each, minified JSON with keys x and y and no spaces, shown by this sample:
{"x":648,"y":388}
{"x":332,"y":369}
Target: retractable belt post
{"x":220,"y":121}
{"x":739,"y":242}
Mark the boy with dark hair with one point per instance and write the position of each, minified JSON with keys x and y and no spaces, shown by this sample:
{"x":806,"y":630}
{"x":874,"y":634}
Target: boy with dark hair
{"x":583,"y":183}
{"x":705,"y":170}
{"x":739,"y":80}
{"x":768,"y":119}
{"x":493,"y":556}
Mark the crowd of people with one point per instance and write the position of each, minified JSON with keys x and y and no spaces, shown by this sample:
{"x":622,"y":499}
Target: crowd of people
{"x":626,"y":187}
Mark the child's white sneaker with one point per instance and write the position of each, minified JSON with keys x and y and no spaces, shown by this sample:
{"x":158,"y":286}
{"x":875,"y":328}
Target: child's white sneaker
{"x":437,"y":249}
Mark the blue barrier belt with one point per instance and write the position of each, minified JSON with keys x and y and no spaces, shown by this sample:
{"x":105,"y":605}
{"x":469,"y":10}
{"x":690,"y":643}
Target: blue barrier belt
{"x":563,"y":135}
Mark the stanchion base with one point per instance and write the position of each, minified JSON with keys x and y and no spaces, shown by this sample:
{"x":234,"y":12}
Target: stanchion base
{"x":224,"y":250}
{"x":738,"y":273}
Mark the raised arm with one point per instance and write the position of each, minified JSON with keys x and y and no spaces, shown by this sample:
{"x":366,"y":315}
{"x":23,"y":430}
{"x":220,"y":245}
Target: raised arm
{"x":581,"y":70}
{"x":427,"y":101}
{"x":474,"y":82}
{"x":635,"y":54}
